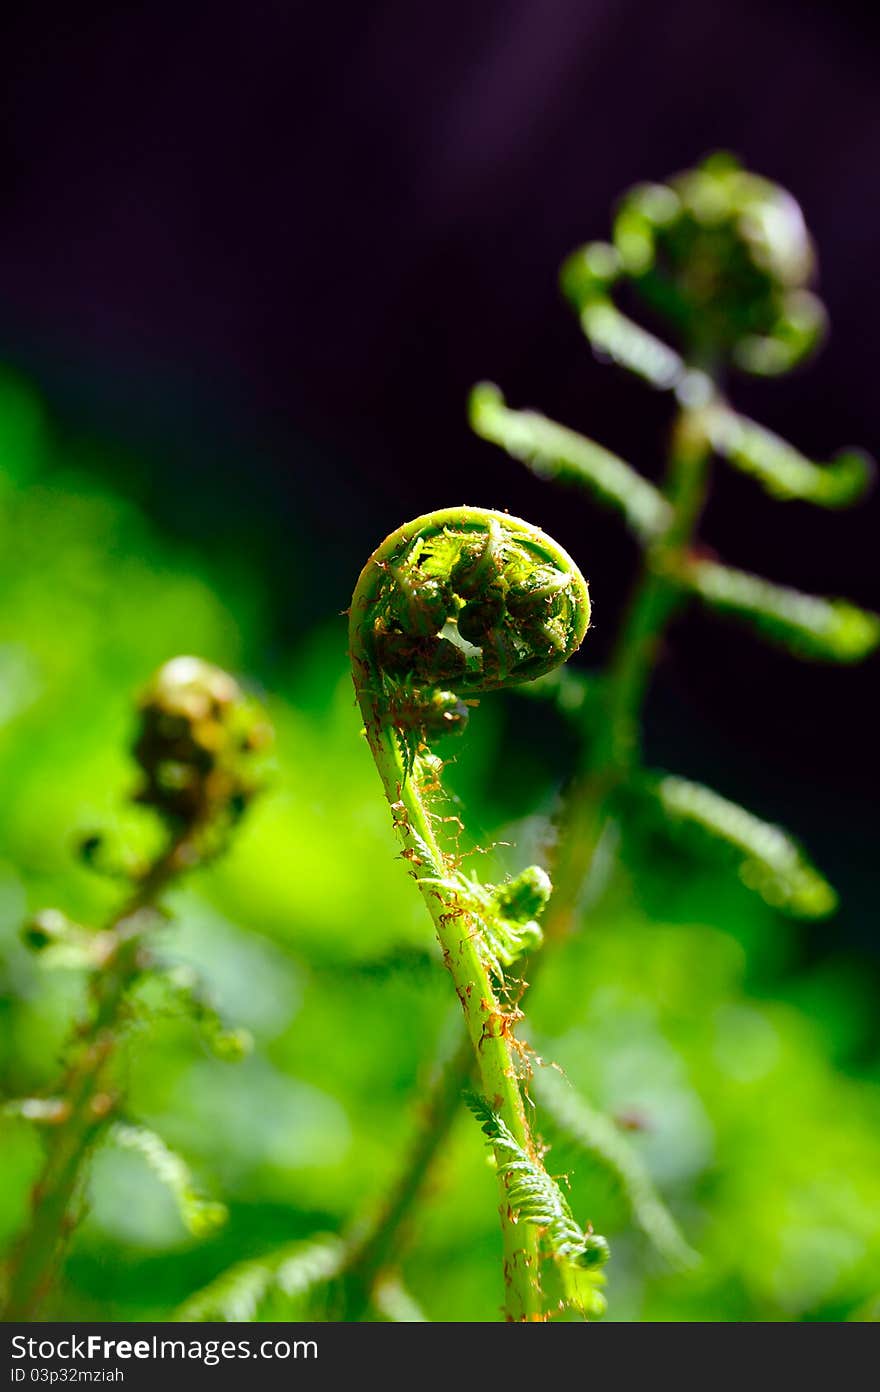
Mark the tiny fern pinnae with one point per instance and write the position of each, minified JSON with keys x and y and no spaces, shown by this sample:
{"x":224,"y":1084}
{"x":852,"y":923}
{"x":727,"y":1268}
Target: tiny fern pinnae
{"x":453,"y":604}
{"x":538,"y":1200}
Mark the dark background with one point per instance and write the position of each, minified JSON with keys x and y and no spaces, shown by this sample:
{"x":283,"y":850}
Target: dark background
{"x":267,"y":248}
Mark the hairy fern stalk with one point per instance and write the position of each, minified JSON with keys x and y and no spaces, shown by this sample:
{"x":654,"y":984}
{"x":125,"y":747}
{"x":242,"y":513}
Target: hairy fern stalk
{"x":454,"y":604}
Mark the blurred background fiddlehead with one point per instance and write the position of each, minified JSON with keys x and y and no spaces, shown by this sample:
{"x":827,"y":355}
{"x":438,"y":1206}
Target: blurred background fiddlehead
{"x":196,"y":745}
{"x":725,"y":257}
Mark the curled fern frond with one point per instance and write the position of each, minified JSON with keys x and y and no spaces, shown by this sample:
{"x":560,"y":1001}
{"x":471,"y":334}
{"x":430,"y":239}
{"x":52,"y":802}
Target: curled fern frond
{"x":721,"y":254}
{"x":770,"y":861}
{"x":595,"y":1134}
{"x":455,"y":603}
{"x":198,"y":744}
{"x":587,"y":278}
{"x":829,"y":630}
{"x":291,"y":1273}
{"x":523,"y":898}
{"x":199,"y":1215}
{"x":537,"y":1199}
{"x":553,"y":451}
{"x":782,"y":469}
{"x":463,"y":600}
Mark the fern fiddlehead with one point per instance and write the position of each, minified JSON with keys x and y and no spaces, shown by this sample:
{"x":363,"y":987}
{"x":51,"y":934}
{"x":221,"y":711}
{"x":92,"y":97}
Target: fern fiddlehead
{"x":454,"y":604}
{"x":196,"y":744}
{"x":725,"y":256}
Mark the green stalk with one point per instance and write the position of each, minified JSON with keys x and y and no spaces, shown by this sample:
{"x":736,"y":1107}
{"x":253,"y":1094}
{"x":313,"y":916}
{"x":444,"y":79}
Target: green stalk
{"x":537,"y":610}
{"x":486,"y":1022}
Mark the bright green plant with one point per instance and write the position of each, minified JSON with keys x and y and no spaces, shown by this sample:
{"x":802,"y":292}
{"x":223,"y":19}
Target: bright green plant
{"x":196,"y":747}
{"x":726,"y":257}
{"x":477,"y":601}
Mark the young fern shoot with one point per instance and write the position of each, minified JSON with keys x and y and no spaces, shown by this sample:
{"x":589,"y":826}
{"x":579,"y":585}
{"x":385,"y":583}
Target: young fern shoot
{"x":726,"y":258}
{"x":454,"y":604}
{"x":196,"y":746}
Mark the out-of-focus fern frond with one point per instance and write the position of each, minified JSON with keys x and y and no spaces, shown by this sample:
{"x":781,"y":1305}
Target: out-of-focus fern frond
{"x":831,"y":630}
{"x":587,"y":278}
{"x":394,"y":1302}
{"x":593,"y":1132}
{"x":589,"y":273}
{"x":771,"y":862}
{"x":538,"y":1199}
{"x":554,"y":451}
{"x":200,"y":1215}
{"x":619,"y":338}
{"x":233,"y":1296}
{"x":783,"y":470}
{"x":291,"y":1272}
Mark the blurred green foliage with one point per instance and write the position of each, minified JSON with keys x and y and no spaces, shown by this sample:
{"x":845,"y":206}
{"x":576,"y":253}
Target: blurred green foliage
{"x":680,"y":1010}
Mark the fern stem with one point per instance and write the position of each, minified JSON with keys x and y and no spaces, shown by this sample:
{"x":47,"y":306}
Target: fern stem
{"x":517,"y":606}
{"x":486,"y":1022}
{"x":88,"y":1093}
